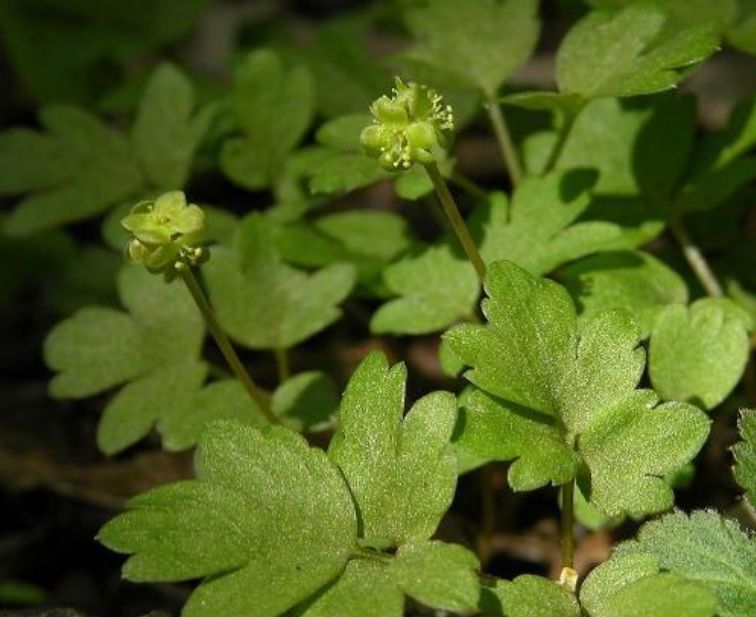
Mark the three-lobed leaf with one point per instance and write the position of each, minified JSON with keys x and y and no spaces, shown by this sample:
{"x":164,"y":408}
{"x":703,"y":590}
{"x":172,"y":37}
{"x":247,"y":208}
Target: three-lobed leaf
{"x":76,"y":169}
{"x":153,"y":350}
{"x":80,"y":167}
{"x":168,"y":128}
{"x":565,"y":405}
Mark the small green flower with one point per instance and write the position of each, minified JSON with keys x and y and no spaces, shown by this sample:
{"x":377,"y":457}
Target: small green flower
{"x":165,"y":233}
{"x":408,"y":127}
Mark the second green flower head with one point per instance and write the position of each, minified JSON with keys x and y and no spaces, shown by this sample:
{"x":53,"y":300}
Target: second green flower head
{"x":408,"y":127}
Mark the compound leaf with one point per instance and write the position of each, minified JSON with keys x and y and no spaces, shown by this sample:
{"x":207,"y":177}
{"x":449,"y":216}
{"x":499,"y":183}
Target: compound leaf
{"x":698,"y":354}
{"x":566,"y":403}
{"x":220,"y":528}
{"x":401,"y":470}
{"x":745,"y":454}
{"x":705,"y":548}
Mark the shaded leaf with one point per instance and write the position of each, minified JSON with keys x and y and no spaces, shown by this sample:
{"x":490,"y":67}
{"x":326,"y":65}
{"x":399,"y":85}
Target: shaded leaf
{"x":167,"y":131}
{"x":632,"y":585}
{"x":634,"y":281}
{"x":86,"y":168}
{"x":265,"y":304}
{"x":273,"y":107}
{"x":482,"y":43}
{"x":698,"y":354}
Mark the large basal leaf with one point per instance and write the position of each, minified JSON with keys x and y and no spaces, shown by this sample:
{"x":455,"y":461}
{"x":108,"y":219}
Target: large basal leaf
{"x":267,"y":523}
{"x":566,"y":405}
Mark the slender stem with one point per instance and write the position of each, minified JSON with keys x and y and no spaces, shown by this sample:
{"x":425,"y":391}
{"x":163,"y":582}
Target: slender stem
{"x":229,"y":353}
{"x":282,"y":364}
{"x":695,"y":259}
{"x":506,"y":145}
{"x":468,"y":186}
{"x":455,"y":219}
{"x":562,"y":135}
{"x":567,"y":531}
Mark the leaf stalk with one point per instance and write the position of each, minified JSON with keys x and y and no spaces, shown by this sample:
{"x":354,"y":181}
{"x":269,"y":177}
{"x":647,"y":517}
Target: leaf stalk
{"x":695,"y":259}
{"x":504,"y":139}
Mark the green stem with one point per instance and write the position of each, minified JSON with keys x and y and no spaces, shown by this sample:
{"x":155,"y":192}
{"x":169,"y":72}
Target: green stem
{"x":468,"y":186}
{"x":695,"y":259}
{"x":455,"y":219}
{"x":282,"y":364}
{"x":229,"y":353}
{"x":556,"y":151}
{"x":567,"y":530}
{"x":503,"y":137}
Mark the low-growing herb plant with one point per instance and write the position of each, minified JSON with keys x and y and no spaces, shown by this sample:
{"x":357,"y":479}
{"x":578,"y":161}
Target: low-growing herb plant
{"x":576,"y":350}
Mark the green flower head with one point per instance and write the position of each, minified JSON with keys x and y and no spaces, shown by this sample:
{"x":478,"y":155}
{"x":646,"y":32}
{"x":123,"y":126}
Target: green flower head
{"x":165,"y":232}
{"x":408,"y":127}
